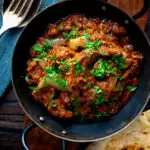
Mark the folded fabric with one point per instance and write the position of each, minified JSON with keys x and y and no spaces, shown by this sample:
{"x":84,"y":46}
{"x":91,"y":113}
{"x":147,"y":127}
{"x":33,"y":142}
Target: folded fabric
{"x":7,"y":43}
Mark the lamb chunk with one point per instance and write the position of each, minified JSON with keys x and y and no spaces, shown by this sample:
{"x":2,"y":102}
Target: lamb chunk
{"x":62,"y":52}
{"x":59,"y":110}
{"x":118,"y":30}
{"x":34,"y":71}
{"x":136,"y":55}
{"x":106,"y":26}
{"x":52,"y":30}
{"x":64,"y":98}
{"x":44,"y":95}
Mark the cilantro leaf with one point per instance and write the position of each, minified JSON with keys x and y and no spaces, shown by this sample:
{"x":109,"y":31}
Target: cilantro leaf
{"x":60,"y":28}
{"x":51,"y":97}
{"x":53,"y":104}
{"x":37,"y":48}
{"x":89,"y":85}
{"x":98,"y":115}
{"x":43,"y":54}
{"x":102,"y":53}
{"x":47,"y":45}
{"x":38,"y":89}
{"x":92,"y":45}
{"x":53,"y":57}
{"x":26,"y":78}
{"x":97,"y":90}
{"x":103,"y":69}
{"x":120,"y":61}
{"x":62,"y":83}
{"x":36,"y":59}
{"x":79,"y":68}
{"x":32,"y":87}
{"x":131,"y":88}
{"x":119,"y":86}
{"x":72,"y":34}
{"x":87,"y":36}
{"x":76,"y":103}
{"x":98,"y":100}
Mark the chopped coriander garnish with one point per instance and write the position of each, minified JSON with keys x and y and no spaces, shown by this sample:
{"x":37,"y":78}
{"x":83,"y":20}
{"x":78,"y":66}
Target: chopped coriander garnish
{"x":53,"y":57}
{"x":119,"y":86}
{"x":87,"y":36}
{"x":37,"y":48}
{"x":70,"y":111}
{"x":98,"y":115}
{"x":45,"y":59}
{"x":110,"y":104}
{"x":102,"y":53}
{"x":74,"y":60}
{"x":36,"y":59}
{"x":60,"y":28}
{"x":52,"y":73}
{"x":86,"y":28}
{"x":32,"y":87}
{"x":65,"y":34}
{"x":45,"y":81}
{"x":120,"y":61}
{"x":72,"y":34}
{"x":97,"y":90}
{"x":47,"y":45}
{"x":51,"y":97}
{"x":98,"y":100}
{"x":26,"y":78}
{"x":75,"y":113}
{"x":79,"y":68}
{"x":119,"y":77}
{"x":76,"y":103}
{"x":51,"y":69}
{"x":53,"y":104}
{"x":67,"y":67}
{"x":103,"y":69}
{"x":113,"y":99}
{"x":83,"y":69}
{"x":105,"y":114}
{"x":64,"y":62}
{"x":131,"y":88}
{"x":92,"y":45}
{"x":43,"y":54}
{"x":89,"y":85}
{"x":60,"y":70}
{"x":38,"y":89}
{"x":61,"y":82}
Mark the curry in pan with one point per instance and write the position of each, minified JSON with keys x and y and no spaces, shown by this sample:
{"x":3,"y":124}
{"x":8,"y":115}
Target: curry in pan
{"x":83,"y":67}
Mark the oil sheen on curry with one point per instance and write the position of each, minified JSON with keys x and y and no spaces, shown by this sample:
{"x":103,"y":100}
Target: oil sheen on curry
{"x":83,"y":68}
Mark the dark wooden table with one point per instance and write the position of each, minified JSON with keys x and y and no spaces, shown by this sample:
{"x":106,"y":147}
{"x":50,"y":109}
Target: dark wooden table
{"x":12,"y":116}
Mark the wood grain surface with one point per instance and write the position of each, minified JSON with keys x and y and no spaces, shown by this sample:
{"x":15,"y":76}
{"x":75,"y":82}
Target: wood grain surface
{"x":12,"y":120}
{"x":131,"y":7}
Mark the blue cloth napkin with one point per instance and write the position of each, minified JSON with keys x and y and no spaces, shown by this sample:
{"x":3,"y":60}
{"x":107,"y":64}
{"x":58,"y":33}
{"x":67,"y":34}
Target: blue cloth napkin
{"x":7,"y":43}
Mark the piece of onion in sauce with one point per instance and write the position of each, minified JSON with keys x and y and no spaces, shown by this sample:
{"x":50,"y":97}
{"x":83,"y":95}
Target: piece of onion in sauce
{"x":74,"y":44}
{"x":58,"y":41}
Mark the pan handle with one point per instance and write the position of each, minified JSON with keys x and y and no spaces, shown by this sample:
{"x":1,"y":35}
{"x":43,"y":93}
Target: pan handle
{"x":146,"y":6}
{"x":143,"y":10}
{"x":27,"y":129}
{"x":24,"y":134}
{"x":63,"y":145}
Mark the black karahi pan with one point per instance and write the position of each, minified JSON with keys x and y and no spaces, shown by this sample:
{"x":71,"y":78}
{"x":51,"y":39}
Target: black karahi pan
{"x":72,"y":131}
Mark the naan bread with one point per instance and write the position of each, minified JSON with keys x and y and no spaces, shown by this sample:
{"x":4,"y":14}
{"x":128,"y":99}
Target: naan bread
{"x":135,"y":137}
